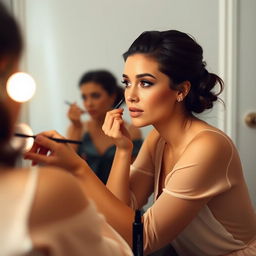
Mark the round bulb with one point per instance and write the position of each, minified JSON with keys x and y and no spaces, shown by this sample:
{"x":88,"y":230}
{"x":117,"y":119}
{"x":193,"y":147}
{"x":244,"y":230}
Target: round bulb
{"x":21,"y":87}
{"x":22,"y":143}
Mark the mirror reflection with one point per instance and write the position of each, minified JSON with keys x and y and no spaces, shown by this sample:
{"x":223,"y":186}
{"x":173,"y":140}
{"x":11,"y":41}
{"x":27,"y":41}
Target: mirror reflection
{"x":66,"y":39}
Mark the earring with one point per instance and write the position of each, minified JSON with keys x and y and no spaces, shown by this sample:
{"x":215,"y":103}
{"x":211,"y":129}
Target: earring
{"x":179,"y":99}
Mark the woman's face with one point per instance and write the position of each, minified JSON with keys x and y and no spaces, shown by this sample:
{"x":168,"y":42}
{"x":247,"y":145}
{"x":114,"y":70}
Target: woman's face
{"x":148,"y":95}
{"x":96,"y":100}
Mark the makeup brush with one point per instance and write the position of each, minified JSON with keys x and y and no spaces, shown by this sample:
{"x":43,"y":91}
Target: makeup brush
{"x":55,"y":139}
{"x":69,"y":103}
{"x":119,"y":103}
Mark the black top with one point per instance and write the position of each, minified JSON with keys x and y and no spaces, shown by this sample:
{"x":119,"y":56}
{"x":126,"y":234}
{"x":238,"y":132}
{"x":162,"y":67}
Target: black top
{"x":101,"y":164}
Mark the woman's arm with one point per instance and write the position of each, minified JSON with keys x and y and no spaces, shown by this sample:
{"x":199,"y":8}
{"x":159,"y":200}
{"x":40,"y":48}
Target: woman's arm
{"x":118,"y":181}
{"x":175,"y":208}
{"x":159,"y":225}
{"x":118,"y":215}
{"x":75,"y":132}
{"x":75,"y":129}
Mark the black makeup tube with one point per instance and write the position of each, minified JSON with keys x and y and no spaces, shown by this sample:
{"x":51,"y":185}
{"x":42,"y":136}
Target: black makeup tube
{"x":137,"y":235}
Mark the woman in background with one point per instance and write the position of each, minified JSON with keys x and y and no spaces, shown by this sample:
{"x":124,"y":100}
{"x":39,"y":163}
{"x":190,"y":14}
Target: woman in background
{"x":43,"y":210}
{"x":201,"y":205}
{"x":100,"y":93}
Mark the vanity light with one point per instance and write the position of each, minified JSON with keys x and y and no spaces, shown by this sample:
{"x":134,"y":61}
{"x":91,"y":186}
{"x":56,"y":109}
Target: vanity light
{"x":21,"y":87}
{"x":22,"y":143}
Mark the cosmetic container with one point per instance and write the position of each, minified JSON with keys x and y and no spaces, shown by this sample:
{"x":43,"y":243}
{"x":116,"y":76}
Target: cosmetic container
{"x":137,"y":234}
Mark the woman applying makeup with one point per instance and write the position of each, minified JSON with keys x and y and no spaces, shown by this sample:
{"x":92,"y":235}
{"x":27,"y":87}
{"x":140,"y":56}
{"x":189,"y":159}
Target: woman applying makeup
{"x":43,"y":210}
{"x":100,"y":93}
{"x":201,"y":202}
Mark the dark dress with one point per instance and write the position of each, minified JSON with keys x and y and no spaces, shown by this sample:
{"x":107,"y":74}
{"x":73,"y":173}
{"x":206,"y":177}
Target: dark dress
{"x":101,"y":164}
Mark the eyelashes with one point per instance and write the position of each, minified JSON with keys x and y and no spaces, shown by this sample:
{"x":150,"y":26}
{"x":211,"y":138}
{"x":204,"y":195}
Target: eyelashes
{"x":125,"y":82}
{"x":143,"y":83}
{"x":146,"y":83}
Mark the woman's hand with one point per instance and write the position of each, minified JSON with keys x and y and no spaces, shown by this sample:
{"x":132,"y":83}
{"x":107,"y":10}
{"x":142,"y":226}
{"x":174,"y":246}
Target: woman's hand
{"x":74,"y":114}
{"x":49,"y":152}
{"x":114,"y":128}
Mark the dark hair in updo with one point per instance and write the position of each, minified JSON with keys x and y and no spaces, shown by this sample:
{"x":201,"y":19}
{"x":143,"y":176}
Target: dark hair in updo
{"x":10,"y":51}
{"x":106,"y":80}
{"x":181,"y":58}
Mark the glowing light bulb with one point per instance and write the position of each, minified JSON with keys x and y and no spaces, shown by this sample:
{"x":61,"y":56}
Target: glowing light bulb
{"x":22,"y":143}
{"x":21,"y":87}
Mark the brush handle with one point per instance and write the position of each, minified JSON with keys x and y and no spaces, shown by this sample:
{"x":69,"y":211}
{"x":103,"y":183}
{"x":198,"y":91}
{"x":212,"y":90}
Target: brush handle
{"x":69,"y":103}
{"x":119,"y":103}
{"x":55,"y":139}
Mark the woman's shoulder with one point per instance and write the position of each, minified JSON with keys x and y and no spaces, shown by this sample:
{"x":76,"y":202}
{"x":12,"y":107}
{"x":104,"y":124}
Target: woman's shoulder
{"x":212,"y":135}
{"x":57,"y":193}
{"x":202,"y":131}
{"x":210,"y":143}
{"x":58,"y":196}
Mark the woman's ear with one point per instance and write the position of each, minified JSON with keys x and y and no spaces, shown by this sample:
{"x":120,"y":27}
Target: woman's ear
{"x":183,"y":90}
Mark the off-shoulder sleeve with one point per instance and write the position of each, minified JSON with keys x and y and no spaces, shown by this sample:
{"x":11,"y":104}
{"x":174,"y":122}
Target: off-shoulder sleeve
{"x":199,"y":184}
{"x":87,"y":233}
{"x":201,"y":173}
{"x":203,"y":170}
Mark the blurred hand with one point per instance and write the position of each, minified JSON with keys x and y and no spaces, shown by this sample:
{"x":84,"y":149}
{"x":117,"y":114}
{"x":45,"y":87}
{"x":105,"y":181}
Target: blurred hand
{"x":114,"y":128}
{"x":48,"y":152}
{"x":74,"y":113}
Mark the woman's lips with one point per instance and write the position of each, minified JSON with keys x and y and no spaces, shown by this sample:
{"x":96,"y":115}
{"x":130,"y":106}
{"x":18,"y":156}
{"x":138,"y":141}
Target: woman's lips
{"x":135,"y":112}
{"x":92,"y":112}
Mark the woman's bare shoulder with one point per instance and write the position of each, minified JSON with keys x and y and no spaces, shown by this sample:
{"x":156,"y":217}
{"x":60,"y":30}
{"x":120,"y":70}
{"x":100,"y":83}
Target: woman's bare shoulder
{"x":58,"y":196}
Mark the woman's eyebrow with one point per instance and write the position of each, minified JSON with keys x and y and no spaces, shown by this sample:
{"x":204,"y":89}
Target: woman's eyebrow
{"x":141,"y":75}
{"x":145,"y":74}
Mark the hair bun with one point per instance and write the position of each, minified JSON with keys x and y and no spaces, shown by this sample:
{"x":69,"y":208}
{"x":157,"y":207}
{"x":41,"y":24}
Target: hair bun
{"x":202,"y":96}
